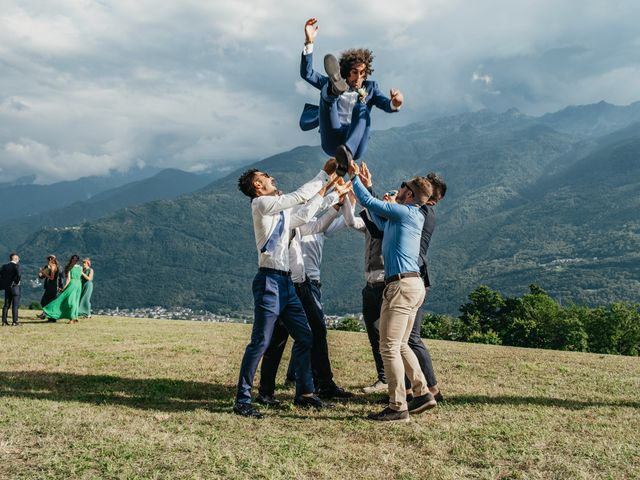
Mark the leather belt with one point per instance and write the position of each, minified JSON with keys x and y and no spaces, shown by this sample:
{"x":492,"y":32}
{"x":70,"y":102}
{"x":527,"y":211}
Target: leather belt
{"x":274,"y":271}
{"x":399,"y":276}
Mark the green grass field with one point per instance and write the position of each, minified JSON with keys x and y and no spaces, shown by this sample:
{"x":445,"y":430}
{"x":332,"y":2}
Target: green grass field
{"x":130,"y":398}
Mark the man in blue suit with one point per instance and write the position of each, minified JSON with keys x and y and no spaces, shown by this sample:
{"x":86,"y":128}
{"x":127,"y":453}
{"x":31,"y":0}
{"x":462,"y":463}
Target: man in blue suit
{"x":346,"y":100}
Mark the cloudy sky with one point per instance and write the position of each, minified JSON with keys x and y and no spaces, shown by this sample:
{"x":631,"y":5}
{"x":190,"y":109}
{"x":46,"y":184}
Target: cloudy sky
{"x":91,"y":86}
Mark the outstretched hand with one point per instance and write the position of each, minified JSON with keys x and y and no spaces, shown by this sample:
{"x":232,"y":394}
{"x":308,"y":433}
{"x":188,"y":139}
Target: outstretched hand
{"x":397,"y":99}
{"x":365,"y":175}
{"x":353,"y":169}
{"x":310,"y":30}
{"x":342,"y":189}
{"x":334,"y":180}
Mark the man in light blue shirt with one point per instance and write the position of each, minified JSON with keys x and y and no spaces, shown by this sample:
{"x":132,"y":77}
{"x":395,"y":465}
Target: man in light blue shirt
{"x":404,"y":292}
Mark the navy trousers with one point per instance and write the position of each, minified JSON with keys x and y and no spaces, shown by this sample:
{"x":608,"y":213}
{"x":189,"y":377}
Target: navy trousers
{"x":11,"y":301}
{"x":354,"y":136}
{"x":275,"y":300}
{"x":310,"y":296}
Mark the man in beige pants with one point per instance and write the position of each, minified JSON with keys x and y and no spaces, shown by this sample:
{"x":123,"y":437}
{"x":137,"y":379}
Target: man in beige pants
{"x":403,"y":294}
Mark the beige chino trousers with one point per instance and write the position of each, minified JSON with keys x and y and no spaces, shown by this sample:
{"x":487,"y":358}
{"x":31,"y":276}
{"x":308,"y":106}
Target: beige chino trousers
{"x":400,"y":302}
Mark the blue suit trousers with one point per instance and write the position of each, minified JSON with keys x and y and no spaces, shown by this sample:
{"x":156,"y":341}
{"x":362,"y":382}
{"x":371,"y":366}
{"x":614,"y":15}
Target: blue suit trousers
{"x":275,"y":299}
{"x":354,"y":136}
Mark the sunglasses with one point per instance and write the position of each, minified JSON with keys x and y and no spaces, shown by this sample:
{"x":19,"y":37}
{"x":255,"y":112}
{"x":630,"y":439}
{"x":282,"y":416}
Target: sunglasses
{"x":405,"y":185}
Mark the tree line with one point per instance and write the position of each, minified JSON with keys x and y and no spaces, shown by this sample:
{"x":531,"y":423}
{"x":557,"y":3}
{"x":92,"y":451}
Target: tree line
{"x":536,"y":320}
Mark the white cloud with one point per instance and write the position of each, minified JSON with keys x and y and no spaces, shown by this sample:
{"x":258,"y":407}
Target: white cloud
{"x":26,"y":156}
{"x":480,"y":77}
{"x":87,"y":84}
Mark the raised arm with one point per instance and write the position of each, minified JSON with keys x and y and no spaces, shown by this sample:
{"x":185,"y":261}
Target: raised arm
{"x":388,"y":104}
{"x":391,"y":211}
{"x":303,"y":214}
{"x":348,"y":213}
{"x":273,"y":204}
{"x":318,"y":225}
{"x":306,"y":60}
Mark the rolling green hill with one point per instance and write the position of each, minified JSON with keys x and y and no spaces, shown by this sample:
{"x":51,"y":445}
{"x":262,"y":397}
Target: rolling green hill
{"x":166,"y":184}
{"x":26,"y":198}
{"x":526,"y":203}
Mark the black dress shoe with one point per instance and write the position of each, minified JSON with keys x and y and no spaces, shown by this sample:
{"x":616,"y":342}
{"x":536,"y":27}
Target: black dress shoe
{"x":51,"y":320}
{"x":332,"y":68}
{"x":390,"y":415}
{"x":268,"y":400}
{"x":246,"y":410}
{"x":334,"y":391}
{"x":311,"y":402}
{"x":343,"y":157}
{"x":421,"y":403}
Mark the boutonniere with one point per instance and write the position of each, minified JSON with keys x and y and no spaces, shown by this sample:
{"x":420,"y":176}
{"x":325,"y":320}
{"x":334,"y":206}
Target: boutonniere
{"x":362,"y":94}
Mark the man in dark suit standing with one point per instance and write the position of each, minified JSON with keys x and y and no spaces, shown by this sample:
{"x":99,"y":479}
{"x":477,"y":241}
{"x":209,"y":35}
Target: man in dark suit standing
{"x":10,"y":274}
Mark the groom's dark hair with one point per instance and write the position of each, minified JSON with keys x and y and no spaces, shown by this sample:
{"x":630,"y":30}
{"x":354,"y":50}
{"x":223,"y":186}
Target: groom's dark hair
{"x":245,"y":183}
{"x":355,"y":56}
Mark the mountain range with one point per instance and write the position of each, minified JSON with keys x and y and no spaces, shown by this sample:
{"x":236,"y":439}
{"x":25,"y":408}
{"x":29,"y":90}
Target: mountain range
{"x":550,"y":200}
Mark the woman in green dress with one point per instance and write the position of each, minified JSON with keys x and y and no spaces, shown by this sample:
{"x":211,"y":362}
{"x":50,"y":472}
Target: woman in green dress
{"x":84,"y":310}
{"x":66,"y":304}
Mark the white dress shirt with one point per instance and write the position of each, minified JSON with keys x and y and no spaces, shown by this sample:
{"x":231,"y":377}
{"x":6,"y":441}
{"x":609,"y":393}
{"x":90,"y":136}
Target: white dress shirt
{"x":266,"y":209}
{"x":306,"y":247}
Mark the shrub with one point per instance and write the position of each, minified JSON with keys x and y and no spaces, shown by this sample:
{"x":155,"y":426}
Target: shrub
{"x":350,"y":324}
{"x":442,"y":327}
{"x":489,"y":337}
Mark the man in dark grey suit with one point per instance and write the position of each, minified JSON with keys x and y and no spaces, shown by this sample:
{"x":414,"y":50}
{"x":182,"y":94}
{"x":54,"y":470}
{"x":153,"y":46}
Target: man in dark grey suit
{"x":10,"y":275}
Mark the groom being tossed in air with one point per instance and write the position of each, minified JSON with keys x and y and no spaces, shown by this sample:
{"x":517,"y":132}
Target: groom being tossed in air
{"x":346,"y":100}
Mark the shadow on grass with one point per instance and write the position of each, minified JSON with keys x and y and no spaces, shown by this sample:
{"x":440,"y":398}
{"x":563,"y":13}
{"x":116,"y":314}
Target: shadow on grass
{"x":163,"y":394}
{"x":569,"y":404}
{"x":147,"y":393}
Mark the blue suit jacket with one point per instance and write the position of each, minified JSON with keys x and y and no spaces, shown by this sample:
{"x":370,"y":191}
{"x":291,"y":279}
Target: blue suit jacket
{"x":310,"y":114}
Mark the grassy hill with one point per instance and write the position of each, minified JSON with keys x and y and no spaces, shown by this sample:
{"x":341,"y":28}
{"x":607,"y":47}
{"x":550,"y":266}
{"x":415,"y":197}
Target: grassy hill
{"x":526,"y":204}
{"x":128,"y":398}
{"x":168,"y":183}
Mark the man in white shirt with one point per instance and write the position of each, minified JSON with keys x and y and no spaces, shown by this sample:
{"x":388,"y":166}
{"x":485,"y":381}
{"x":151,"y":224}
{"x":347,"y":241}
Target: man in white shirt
{"x":274,"y":296}
{"x":305,"y":256}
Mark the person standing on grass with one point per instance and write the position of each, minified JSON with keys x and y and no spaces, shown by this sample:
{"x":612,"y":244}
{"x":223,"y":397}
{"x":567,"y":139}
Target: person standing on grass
{"x":84,"y":309}
{"x":372,"y":292}
{"x":11,"y":275}
{"x":53,"y":282}
{"x":305,"y":258}
{"x":274,"y":216}
{"x":403,"y":294}
{"x":66,"y":304}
